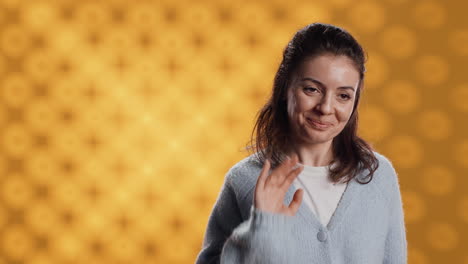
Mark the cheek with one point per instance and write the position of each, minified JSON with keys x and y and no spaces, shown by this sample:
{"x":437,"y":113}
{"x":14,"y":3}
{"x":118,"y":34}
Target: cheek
{"x":344,"y":112}
{"x":297,"y":104}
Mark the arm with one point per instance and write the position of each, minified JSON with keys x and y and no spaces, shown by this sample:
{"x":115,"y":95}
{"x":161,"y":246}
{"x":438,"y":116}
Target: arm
{"x":229,"y":240}
{"x":395,"y":243}
{"x":224,"y":217}
{"x":263,"y":238}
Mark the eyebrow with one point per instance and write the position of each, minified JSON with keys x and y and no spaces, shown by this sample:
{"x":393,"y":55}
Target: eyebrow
{"x":323,"y":85}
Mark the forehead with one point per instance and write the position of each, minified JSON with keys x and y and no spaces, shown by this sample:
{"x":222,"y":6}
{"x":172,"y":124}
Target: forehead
{"x":329,"y":68}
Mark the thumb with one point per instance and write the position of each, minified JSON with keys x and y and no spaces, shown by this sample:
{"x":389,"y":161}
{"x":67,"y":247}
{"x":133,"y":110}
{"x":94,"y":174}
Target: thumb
{"x":296,"y":201}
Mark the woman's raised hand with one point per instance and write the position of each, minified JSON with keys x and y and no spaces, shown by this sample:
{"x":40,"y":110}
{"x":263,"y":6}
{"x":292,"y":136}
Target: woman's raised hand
{"x":271,"y":189}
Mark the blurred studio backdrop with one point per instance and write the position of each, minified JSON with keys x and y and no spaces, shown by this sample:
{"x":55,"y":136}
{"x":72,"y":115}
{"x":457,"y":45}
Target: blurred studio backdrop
{"x":119,"y":119}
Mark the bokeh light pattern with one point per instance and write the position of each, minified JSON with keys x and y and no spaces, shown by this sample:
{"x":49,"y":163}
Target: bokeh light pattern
{"x":119,"y":119}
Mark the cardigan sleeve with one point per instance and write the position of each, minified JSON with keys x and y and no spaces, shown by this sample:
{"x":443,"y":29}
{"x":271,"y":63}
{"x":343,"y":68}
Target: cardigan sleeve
{"x":395,"y":243}
{"x":262,"y":238}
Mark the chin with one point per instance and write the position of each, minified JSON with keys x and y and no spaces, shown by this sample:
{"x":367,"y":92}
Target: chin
{"x":317,"y":139}
{"x":310,"y":135}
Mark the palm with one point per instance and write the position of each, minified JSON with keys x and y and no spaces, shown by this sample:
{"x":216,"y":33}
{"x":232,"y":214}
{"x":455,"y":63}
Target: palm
{"x":270,"y":190}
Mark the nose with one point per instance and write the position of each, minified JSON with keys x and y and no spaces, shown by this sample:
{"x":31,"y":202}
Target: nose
{"x":325,"y":106}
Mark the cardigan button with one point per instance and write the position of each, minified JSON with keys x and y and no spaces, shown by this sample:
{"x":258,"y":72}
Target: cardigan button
{"x":322,"y":236}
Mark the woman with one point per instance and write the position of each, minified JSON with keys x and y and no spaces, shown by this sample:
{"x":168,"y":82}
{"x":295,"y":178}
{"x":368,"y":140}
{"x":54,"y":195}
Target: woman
{"x":314,"y":192}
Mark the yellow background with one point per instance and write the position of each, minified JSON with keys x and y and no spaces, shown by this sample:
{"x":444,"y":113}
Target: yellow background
{"x":119,"y":119}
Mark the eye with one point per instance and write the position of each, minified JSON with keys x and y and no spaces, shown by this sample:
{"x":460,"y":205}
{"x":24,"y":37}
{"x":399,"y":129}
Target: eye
{"x":345,"y":96}
{"x":310,"y":89}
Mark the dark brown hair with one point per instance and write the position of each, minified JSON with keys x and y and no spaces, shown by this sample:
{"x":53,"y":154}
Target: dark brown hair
{"x":271,"y":135}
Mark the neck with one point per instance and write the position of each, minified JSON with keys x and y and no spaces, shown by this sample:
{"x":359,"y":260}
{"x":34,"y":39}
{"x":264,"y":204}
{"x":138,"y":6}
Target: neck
{"x":316,"y":155}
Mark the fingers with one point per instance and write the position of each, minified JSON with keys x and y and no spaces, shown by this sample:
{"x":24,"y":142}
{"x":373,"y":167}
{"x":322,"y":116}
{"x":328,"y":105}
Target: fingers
{"x":294,"y":160}
{"x":271,"y":187}
{"x":263,"y":174}
{"x":292,"y":176}
{"x":296,"y":202}
{"x":280,"y":173}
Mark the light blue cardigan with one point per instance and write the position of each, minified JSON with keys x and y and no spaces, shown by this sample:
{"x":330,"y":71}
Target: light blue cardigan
{"x":367,"y":226}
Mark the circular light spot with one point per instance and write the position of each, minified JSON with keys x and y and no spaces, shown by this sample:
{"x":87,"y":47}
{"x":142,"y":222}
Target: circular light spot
{"x":16,"y":191}
{"x":429,"y":14}
{"x":461,"y":152}
{"x":438,"y":180}
{"x":458,"y":97}
{"x":41,"y":218}
{"x":68,"y":245}
{"x":414,"y":206}
{"x":16,"y":90}
{"x":431,"y":69}
{"x":38,"y":15}
{"x":416,"y":256}
{"x":435,"y":125}
{"x":17,"y":243}
{"x":402,"y":96}
{"x":200,"y":15}
{"x":40,"y":66}
{"x":98,"y":13}
{"x":373,"y":13}
{"x":303,"y":13}
{"x":463,"y":209}
{"x":405,"y":151}
{"x":41,"y":115}
{"x":398,"y":41}
{"x":375,"y":123}
{"x":14,"y":40}
{"x":457,"y":40}
{"x":16,"y":140}
{"x":376,"y":70}
{"x":442,"y":236}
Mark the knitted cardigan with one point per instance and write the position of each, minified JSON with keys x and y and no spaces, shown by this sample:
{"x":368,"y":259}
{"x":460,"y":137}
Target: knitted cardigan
{"x":367,"y":226}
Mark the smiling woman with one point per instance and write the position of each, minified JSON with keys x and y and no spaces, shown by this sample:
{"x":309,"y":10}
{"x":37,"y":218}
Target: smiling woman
{"x":321,"y":100}
{"x":305,"y":141}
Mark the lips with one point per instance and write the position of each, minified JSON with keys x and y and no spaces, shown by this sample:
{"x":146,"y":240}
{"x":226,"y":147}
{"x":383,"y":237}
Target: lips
{"x":318,"y":124}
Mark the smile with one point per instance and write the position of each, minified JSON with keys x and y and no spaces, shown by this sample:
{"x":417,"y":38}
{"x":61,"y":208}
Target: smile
{"x":318,"y":125}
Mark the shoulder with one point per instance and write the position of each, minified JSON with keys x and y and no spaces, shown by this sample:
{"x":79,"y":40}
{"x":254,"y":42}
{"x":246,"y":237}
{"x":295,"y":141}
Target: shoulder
{"x":385,"y":164}
{"x":244,"y":173}
{"x":385,"y":178}
{"x":385,"y":171}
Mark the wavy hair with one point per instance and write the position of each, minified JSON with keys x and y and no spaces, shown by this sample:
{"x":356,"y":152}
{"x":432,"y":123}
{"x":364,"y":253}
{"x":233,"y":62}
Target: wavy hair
{"x":271,"y":135}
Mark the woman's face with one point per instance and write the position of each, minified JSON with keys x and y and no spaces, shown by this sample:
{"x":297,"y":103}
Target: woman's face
{"x":321,"y":98}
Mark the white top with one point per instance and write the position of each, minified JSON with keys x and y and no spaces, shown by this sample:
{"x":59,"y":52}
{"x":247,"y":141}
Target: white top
{"x":320,"y":193}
